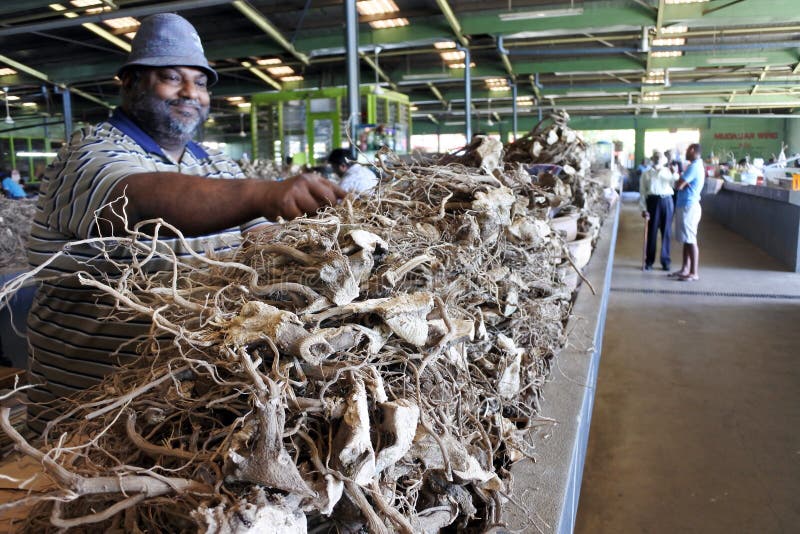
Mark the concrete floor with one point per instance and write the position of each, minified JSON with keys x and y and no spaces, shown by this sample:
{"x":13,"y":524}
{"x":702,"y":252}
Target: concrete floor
{"x":696,"y":424}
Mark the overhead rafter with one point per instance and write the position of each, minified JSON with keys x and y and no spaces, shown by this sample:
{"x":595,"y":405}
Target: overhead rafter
{"x":259,"y":74}
{"x":42,"y":76}
{"x":261,"y":21}
{"x":437,"y":94}
{"x":374,"y":66}
{"x":453,"y":21}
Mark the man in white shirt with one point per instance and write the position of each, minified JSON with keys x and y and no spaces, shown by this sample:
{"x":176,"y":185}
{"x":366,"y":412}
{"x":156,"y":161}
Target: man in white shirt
{"x":353,"y":177}
{"x":655,"y":201}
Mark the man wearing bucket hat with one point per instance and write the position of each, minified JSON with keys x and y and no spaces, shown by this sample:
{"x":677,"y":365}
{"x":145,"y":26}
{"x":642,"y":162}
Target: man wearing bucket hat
{"x":140,"y":164}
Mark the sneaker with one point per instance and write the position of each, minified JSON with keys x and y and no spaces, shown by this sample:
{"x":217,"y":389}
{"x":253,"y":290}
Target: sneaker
{"x":665,"y":266}
{"x":648,"y":267}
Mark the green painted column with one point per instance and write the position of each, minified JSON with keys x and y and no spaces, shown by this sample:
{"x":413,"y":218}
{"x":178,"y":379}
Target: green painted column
{"x":638,"y":142}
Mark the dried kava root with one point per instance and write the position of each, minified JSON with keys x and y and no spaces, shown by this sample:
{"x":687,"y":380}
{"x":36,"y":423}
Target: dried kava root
{"x":373,"y":367}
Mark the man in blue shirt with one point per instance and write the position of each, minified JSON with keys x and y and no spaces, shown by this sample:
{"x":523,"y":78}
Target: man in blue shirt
{"x":12,"y":186}
{"x":688,"y":212}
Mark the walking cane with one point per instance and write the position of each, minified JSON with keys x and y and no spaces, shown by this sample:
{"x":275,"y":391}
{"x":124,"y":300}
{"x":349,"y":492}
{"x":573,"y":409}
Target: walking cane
{"x":644,"y":243}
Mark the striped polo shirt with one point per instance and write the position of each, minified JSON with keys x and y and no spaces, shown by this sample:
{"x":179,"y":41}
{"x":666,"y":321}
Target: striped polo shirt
{"x":75,"y":334}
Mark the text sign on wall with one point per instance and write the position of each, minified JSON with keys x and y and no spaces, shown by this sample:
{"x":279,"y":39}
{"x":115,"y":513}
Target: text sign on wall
{"x":746,"y":135}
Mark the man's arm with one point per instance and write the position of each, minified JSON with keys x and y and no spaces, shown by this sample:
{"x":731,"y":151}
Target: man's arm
{"x":198,"y":206}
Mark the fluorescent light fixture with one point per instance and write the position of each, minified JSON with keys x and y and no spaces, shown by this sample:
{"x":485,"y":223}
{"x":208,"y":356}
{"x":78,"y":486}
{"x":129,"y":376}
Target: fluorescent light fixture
{"x":122,"y":23}
{"x":85,"y":3}
{"x":540,"y":14}
{"x":96,"y":10}
{"x":499,"y":88}
{"x":281,"y":70}
{"x":674,"y":29}
{"x":57,"y":7}
{"x":388,"y":23}
{"x":6,"y":71}
{"x":130,"y":35}
{"x":269,"y":61}
{"x":234,"y":98}
{"x":376,"y":7}
{"x":456,"y":55}
{"x":12,"y":98}
{"x":443,"y":45}
{"x":669,"y":41}
{"x":29,"y":104}
{"x":413,"y":108}
{"x":651,"y":97}
{"x":71,"y":15}
{"x":460,"y":65}
{"x":296,"y":78}
{"x":454,"y":123}
{"x":524,"y":101}
{"x":27,"y":154}
{"x":429,"y":76}
{"x":243,"y":105}
{"x":670,"y":53}
{"x":735,"y":60}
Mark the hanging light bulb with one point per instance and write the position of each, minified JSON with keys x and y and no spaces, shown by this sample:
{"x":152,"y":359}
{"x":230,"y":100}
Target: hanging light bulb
{"x":241,"y":125}
{"x":490,"y":122}
{"x":655,"y":113}
{"x":8,"y":119}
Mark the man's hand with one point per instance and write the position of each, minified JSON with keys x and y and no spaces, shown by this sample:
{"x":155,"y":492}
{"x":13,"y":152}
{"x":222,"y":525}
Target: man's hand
{"x":299,"y":195}
{"x":645,"y":215}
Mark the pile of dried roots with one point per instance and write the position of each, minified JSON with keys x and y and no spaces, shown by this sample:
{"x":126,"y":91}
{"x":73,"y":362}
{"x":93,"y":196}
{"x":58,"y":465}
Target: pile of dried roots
{"x":16,"y":217}
{"x":374,"y":367}
{"x":261,"y":168}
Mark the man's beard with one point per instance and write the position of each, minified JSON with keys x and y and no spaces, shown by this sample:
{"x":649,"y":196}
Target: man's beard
{"x":165,"y":124}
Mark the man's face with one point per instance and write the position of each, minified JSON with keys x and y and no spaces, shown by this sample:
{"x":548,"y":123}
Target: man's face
{"x":171,"y":102}
{"x":690,"y":153}
{"x":340,"y":169}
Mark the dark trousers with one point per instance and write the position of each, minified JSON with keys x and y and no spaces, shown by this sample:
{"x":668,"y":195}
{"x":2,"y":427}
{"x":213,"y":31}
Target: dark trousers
{"x":660,"y":210}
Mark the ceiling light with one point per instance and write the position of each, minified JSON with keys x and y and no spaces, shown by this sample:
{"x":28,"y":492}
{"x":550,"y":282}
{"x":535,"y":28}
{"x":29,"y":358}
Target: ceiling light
{"x":669,"y":41}
{"x":413,"y":108}
{"x":29,"y":104}
{"x":388,"y":23}
{"x":676,"y":28}
{"x":30,"y":154}
{"x":500,"y":88}
{"x":57,"y":7}
{"x":96,"y":10}
{"x":243,"y":105}
{"x":12,"y":98}
{"x":6,"y":71}
{"x":8,"y":120}
{"x":460,"y":65}
{"x":234,"y":98}
{"x":376,"y":7}
{"x":670,"y":53}
{"x":269,"y":61}
{"x":651,"y":97}
{"x":540,"y":14}
{"x":444,"y":44}
{"x":524,"y":101}
{"x":282,"y":70}
{"x":85,"y":3}
{"x":292,"y":78}
{"x":71,"y":15}
{"x":122,"y":23}
{"x":130,"y":35}
{"x":457,"y":55}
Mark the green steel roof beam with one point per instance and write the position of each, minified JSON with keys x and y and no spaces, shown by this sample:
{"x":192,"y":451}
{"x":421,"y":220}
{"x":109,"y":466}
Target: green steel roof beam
{"x":374,"y":66}
{"x":258,"y":74}
{"x":45,"y":78}
{"x":267,"y":27}
{"x":437,"y":94}
{"x":504,"y":57}
{"x":452,"y":21}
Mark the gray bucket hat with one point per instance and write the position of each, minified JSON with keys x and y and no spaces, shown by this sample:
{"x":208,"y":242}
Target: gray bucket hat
{"x":168,"y":40}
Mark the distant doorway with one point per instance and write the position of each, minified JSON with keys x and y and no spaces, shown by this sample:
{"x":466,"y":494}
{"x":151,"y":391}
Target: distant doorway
{"x":676,"y":140}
